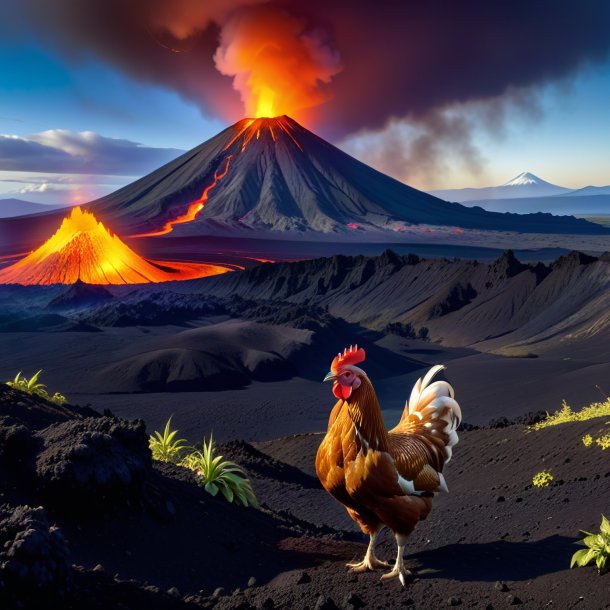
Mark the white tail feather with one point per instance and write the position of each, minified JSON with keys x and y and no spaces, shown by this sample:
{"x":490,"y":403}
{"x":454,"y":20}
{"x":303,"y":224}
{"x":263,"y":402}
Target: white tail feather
{"x":428,"y":400}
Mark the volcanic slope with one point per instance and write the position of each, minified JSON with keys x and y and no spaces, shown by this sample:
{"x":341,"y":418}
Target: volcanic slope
{"x":273,"y":174}
{"x":504,"y":306}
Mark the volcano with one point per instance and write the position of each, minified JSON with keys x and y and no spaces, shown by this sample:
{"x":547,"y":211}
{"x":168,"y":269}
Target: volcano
{"x":271,"y":178}
{"x":82,"y":249}
{"x":273,"y":175}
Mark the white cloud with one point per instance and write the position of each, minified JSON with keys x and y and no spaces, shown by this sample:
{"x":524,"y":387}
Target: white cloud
{"x":34,"y":188}
{"x":85,"y":152}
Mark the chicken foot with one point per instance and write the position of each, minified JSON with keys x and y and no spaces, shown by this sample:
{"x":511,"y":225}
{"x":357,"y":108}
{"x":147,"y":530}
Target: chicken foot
{"x":399,"y":567}
{"x":370,"y":561}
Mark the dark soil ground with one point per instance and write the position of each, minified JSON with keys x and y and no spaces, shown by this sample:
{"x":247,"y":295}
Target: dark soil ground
{"x":160,"y":541}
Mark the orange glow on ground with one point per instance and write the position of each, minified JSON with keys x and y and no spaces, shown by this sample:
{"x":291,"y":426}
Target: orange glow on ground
{"x":83,"y":249}
{"x":193,"y":208}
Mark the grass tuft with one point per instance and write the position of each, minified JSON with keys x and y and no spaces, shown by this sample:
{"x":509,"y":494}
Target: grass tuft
{"x":598,"y":548}
{"x":566,"y":415}
{"x":33,"y":387}
{"x":604,"y":442}
{"x":215,"y":474}
{"x":542,"y":479}
{"x":166,"y":447}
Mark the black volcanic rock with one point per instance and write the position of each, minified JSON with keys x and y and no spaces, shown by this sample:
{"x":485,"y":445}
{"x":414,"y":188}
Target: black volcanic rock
{"x":93,"y":464}
{"x":16,"y":442}
{"x":458,"y":296}
{"x":508,"y":265}
{"x":574,"y":259}
{"x":36,"y":413}
{"x":35,"y":567}
{"x":460,"y":302}
{"x":80,"y":295}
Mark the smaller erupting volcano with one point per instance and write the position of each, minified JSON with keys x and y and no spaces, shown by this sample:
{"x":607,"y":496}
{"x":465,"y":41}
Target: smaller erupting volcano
{"x":83,"y":249}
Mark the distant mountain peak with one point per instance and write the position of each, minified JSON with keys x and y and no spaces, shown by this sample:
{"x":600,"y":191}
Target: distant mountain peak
{"x":525,"y":178}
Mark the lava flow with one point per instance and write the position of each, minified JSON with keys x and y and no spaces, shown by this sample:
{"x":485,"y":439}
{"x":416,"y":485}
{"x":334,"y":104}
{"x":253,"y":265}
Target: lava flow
{"x":252,"y":128}
{"x":83,"y":249}
{"x":247,"y":130}
{"x":193,"y":208}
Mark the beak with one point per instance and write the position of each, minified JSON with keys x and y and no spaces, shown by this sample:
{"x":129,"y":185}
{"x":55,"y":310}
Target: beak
{"x":330,"y":376}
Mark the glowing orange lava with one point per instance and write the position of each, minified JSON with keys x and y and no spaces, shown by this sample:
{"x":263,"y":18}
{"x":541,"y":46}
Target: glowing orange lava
{"x":193,"y":208}
{"x":278,"y":63}
{"x":252,"y":128}
{"x":82,"y":248}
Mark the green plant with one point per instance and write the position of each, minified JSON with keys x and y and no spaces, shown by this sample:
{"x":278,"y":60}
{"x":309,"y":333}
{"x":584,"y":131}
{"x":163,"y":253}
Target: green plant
{"x":542,"y":479}
{"x":216,"y":474}
{"x":604,"y":442}
{"x":34,"y":388}
{"x":598,"y":548}
{"x":165,"y":447}
{"x":566,"y":415}
{"x":587,"y":439}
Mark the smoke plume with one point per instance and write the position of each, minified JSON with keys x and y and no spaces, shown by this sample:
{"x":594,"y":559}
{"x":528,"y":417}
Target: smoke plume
{"x":358,"y":64}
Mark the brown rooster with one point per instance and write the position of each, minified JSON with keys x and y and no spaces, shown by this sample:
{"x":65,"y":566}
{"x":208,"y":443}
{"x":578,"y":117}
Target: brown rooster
{"x":385,"y":479}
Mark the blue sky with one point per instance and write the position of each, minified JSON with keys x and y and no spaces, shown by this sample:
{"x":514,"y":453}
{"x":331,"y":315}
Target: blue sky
{"x":562,"y":134}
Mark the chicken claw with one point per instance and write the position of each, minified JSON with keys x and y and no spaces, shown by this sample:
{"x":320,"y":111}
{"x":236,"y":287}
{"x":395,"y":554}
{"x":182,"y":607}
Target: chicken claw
{"x":400,"y":571}
{"x":370,"y":561}
{"x":399,"y":567}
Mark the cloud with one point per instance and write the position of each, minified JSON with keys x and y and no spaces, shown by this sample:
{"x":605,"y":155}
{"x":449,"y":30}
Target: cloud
{"x":34,"y":188}
{"x":399,"y":59}
{"x":407,"y":61}
{"x":62,"y":151}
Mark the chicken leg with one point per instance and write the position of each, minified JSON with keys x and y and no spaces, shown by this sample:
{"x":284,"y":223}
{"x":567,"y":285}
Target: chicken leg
{"x":399,"y":567}
{"x":370,"y":561}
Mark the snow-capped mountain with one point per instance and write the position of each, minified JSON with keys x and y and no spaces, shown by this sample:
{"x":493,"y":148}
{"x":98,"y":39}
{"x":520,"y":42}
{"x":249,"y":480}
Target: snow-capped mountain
{"x":524,"y":185}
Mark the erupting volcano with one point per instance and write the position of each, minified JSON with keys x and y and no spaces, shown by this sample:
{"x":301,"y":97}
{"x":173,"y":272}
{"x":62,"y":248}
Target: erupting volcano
{"x":265,"y":176}
{"x":83,"y":249}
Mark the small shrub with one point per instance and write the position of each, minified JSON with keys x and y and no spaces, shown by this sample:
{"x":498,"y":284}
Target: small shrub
{"x":598,"y":548}
{"x":423,"y":334}
{"x":542,"y":479}
{"x":165,"y":447}
{"x":566,"y":415}
{"x":587,"y":439}
{"x":34,"y":388}
{"x":604,"y":442}
{"x":216,"y":474}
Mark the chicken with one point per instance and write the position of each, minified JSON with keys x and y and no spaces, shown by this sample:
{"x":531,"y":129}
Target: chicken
{"x":386,"y":478}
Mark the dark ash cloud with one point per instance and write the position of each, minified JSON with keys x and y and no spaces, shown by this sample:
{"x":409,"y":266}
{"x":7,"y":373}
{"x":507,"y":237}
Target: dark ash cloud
{"x":400,"y":58}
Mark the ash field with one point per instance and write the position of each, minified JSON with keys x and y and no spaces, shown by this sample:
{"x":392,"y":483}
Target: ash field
{"x":243,"y":355}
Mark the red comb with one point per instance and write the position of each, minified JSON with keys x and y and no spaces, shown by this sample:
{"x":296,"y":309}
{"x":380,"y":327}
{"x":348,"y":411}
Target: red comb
{"x":353,"y":355}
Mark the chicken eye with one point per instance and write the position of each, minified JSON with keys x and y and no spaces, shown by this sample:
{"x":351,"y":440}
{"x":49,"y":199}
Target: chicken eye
{"x":347,"y":374}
